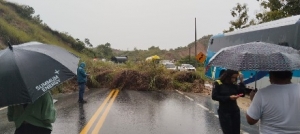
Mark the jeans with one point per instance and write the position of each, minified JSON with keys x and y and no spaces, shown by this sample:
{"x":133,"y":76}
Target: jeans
{"x":81,"y":91}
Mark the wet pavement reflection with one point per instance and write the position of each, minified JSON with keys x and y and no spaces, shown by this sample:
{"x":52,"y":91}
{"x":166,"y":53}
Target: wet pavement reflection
{"x":82,"y":117}
{"x":135,"y":112}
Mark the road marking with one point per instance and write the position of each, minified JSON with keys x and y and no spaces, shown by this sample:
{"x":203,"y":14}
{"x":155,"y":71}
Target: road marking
{"x":3,"y":108}
{"x":243,"y":132}
{"x":205,"y":108}
{"x":189,"y":98}
{"x":102,"y":119}
{"x":94,"y":117}
{"x":54,"y":101}
{"x":185,"y":96}
{"x":179,"y":92}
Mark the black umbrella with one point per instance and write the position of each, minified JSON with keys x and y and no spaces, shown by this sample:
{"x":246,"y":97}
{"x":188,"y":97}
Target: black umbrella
{"x":29,"y":70}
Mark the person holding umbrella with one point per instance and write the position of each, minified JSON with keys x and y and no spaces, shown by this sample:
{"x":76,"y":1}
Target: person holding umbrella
{"x":226,"y":91}
{"x":28,"y":72}
{"x":81,"y":80}
{"x":277,"y":105}
{"x":35,"y":117}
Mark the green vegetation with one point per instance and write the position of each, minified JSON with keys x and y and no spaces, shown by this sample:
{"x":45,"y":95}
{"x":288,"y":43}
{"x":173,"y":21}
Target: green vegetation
{"x":172,"y":54}
{"x":273,"y":10}
{"x":19,"y":25}
{"x":144,"y":76}
{"x":277,"y":9}
{"x":104,"y":51}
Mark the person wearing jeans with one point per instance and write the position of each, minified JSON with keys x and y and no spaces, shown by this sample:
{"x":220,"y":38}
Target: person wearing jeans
{"x":81,"y":80}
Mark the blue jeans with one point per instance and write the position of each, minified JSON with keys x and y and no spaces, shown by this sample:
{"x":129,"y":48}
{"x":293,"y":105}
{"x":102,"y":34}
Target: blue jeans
{"x":81,"y":91}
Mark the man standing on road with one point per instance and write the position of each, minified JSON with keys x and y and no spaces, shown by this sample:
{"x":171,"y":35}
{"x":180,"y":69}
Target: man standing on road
{"x":277,"y":105}
{"x":81,"y":80}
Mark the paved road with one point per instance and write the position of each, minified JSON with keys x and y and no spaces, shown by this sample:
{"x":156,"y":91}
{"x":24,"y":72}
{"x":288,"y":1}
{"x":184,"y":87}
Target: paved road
{"x":134,"y":112}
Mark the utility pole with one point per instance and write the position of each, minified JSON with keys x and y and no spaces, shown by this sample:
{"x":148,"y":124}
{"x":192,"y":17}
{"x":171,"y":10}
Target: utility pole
{"x":195,"y":42}
{"x":190,"y":54}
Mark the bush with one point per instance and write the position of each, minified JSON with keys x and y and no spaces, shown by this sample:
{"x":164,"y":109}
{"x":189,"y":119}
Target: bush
{"x":144,"y":76}
{"x":131,"y":79}
{"x":186,"y":76}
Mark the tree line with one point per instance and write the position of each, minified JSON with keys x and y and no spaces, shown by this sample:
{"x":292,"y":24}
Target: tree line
{"x":272,"y":10}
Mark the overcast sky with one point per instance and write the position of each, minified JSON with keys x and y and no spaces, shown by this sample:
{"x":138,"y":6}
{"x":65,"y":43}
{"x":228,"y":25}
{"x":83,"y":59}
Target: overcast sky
{"x":138,"y":23}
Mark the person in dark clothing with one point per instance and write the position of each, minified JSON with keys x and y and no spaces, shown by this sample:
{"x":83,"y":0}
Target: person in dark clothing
{"x":81,"y":80}
{"x":227,"y":91}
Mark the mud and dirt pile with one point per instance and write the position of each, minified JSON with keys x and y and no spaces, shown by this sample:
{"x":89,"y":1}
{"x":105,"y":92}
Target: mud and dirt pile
{"x":185,"y":77}
{"x":147,"y":77}
{"x":67,"y":87}
{"x":188,"y":82}
{"x":104,"y":78}
{"x":130,"y":79}
{"x":198,"y":86}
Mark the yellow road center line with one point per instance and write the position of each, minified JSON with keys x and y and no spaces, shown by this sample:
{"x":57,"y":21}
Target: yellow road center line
{"x":102,"y":119}
{"x":94,"y":117}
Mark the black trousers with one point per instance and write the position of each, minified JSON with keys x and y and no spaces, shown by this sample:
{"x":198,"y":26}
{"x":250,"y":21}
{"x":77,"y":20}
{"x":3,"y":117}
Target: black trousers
{"x":230,"y":121}
{"x":27,"y":128}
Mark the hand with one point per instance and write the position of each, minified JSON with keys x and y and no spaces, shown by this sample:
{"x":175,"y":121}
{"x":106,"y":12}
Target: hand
{"x":234,"y":97}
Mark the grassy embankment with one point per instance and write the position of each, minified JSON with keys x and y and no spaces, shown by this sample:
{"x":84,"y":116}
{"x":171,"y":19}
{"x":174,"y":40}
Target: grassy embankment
{"x":18,"y":26}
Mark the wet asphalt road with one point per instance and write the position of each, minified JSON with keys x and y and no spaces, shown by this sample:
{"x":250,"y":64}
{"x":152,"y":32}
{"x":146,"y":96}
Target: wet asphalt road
{"x":135,"y":112}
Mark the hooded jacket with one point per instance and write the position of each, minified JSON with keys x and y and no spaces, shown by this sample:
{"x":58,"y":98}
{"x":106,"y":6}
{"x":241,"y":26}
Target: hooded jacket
{"x":41,"y":113}
{"x":81,"y":74}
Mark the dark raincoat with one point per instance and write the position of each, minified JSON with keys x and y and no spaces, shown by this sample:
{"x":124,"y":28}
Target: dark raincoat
{"x":229,"y":112}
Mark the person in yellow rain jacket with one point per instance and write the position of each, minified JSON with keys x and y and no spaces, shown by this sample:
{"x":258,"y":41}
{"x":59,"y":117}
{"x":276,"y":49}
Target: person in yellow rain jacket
{"x":34,"y":118}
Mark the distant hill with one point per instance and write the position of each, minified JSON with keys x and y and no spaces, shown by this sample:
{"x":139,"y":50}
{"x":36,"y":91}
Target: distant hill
{"x":201,"y":47}
{"x":171,"y":54}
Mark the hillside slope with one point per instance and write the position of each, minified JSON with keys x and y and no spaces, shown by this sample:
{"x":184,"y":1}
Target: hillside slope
{"x":182,"y":52}
{"x":19,"y":25}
